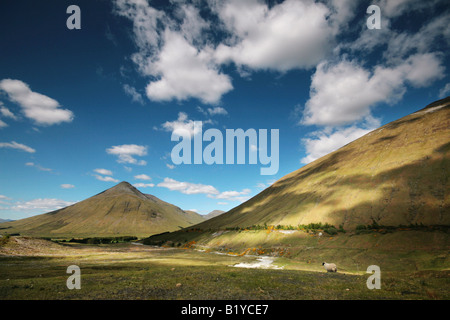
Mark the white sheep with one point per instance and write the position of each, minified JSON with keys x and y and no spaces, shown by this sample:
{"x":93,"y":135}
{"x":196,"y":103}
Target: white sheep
{"x":330,"y":267}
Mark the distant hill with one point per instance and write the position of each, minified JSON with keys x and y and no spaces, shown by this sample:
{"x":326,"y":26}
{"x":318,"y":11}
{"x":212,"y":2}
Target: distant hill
{"x":5,"y":220}
{"x":194,"y":216}
{"x":118,"y":211}
{"x":204,"y":217}
{"x":395,"y":175}
{"x":213,"y":214}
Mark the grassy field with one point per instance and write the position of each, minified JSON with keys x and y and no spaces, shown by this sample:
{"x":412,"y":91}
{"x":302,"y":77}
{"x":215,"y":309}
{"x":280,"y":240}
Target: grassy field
{"x":36,"y":269}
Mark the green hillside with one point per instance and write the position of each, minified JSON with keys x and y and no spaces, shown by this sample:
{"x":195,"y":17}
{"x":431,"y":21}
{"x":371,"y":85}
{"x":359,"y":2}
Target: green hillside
{"x":119,"y":211}
{"x":395,"y":175}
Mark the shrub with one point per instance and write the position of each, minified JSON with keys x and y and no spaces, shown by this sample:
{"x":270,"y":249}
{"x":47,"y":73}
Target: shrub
{"x":4,"y":240}
{"x":331,"y":231}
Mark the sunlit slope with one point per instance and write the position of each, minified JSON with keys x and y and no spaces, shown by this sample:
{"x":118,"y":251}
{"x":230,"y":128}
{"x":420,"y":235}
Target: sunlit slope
{"x":395,"y":175}
{"x":121,"y":210}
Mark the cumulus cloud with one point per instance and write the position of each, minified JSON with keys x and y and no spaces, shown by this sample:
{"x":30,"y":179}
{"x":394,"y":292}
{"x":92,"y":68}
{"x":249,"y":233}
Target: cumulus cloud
{"x":183,"y":126}
{"x":186,"y":72}
{"x":126,"y":153}
{"x":106,"y":179}
{"x":7,"y":113}
{"x":67,"y":186}
{"x":40,"y":205}
{"x":217,"y":111}
{"x":38,"y":166}
{"x":343,"y":93}
{"x":212,"y":111}
{"x":289,"y":35}
{"x":18,"y":146}
{"x":142,"y":177}
{"x":187,"y":187}
{"x":38,"y":107}
{"x":132,"y":92}
{"x":232,"y":195}
{"x":323,"y":142}
{"x":181,"y":67}
{"x":104,"y":172}
{"x":144,"y":185}
{"x":444,"y":91}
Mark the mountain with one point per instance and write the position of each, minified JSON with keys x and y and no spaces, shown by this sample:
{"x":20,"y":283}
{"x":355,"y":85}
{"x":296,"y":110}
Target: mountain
{"x":208,"y":216}
{"x":395,"y":175}
{"x":194,"y":215}
{"x":213,"y":214}
{"x":118,"y":211}
{"x":5,"y":220}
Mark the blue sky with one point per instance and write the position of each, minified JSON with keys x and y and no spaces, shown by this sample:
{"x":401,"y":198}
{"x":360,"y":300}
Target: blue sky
{"x":81,"y":110}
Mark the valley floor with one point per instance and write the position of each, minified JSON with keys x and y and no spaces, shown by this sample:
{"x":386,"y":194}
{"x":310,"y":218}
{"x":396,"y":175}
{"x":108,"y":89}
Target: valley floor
{"x":36,"y":269}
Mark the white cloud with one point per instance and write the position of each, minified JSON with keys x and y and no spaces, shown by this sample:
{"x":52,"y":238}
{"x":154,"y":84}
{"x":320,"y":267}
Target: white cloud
{"x":3,"y":124}
{"x":232,"y":195}
{"x":126,"y":153}
{"x":7,"y":113}
{"x":185,"y":73}
{"x":170,"y":166}
{"x":187,"y":187}
{"x":106,"y":179}
{"x":289,"y":35}
{"x":132,"y":92}
{"x":41,"y":205}
{"x":402,"y":44}
{"x":38,"y":107}
{"x":167,"y":52}
{"x":323,"y":143}
{"x":142,"y":177}
{"x":444,"y":91}
{"x":265,"y":185}
{"x":343,"y":93}
{"x":37,"y":166}
{"x":183,"y":126}
{"x":217,"y":111}
{"x":18,"y":146}
{"x":396,"y":8}
{"x":222,"y":203}
{"x":104,"y":172}
{"x":144,"y":185}
{"x":342,"y":12}
{"x":67,"y":186}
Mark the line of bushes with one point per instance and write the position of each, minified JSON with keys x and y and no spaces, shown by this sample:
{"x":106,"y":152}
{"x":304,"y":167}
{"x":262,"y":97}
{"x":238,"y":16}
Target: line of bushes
{"x":312,"y":227}
{"x":331,"y":229}
{"x":102,"y":240}
{"x":375,"y":227}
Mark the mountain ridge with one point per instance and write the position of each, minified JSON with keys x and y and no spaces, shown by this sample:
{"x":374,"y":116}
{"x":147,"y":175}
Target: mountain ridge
{"x":118,"y":211}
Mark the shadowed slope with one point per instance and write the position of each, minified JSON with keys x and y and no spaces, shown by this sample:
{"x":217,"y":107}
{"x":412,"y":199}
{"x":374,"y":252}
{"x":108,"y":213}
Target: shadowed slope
{"x":395,"y":175}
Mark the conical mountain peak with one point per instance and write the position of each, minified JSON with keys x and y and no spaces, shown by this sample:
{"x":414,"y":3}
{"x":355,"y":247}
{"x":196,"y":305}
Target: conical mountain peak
{"x":123,"y":187}
{"x":117,"y":211}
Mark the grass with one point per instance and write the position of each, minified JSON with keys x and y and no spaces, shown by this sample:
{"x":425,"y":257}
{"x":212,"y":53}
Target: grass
{"x":397,"y":250}
{"x":126,"y":271}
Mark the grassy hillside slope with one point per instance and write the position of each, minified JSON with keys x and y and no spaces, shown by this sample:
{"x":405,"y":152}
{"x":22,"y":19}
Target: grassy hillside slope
{"x":395,"y":175}
{"x":121,"y":210}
